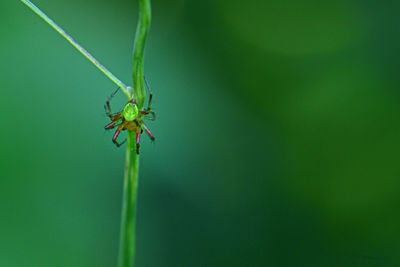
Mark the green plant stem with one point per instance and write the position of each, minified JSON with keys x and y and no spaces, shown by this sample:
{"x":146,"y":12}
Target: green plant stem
{"x":138,"y":56}
{"x":124,"y":88}
{"x":128,"y":234}
{"x":127,"y":239}
{"x":138,"y":92}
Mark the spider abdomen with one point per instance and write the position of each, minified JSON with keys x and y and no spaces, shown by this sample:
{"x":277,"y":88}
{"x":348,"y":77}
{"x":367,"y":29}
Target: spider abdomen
{"x":131,"y":125}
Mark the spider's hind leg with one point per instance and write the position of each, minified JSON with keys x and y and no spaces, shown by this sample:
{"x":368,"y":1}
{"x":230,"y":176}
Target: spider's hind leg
{"x":120,"y":144}
{"x":116,"y":134}
{"x":138,"y":134}
{"x":148,"y":132}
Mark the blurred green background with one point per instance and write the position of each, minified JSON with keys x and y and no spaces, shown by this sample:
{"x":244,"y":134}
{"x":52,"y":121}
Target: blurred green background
{"x":278,"y":134}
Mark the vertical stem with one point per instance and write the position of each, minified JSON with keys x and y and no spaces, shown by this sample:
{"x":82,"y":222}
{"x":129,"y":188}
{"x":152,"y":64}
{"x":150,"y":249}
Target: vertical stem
{"x":127,"y":239}
{"x":140,"y":41}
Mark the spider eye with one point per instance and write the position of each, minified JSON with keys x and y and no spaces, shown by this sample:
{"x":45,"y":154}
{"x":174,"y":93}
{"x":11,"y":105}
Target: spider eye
{"x":131,"y":112}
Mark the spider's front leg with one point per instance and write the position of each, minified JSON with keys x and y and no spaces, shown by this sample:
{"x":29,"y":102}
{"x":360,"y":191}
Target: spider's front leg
{"x":116,"y":134}
{"x":107,"y":106}
{"x":150,"y":94}
{"x":148,"y":115}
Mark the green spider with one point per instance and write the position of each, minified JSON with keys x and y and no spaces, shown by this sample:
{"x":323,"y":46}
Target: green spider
{"x":130,"y":118}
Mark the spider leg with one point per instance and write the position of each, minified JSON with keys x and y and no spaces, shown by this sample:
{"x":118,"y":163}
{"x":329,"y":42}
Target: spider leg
{"x":112,"y":124}
{"x":149,"y":115}
{"x":148,"y":132}
{"x":150,"y":93}
{"x":117,"y":116}
{"x":138,"y":134}
{"x":116,"y":134}
{"x":107,"y":106}
{"x":115,"y":120}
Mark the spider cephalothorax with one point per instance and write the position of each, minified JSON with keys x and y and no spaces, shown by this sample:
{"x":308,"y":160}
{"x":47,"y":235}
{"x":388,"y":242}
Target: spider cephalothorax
{"x":130,"y":118}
